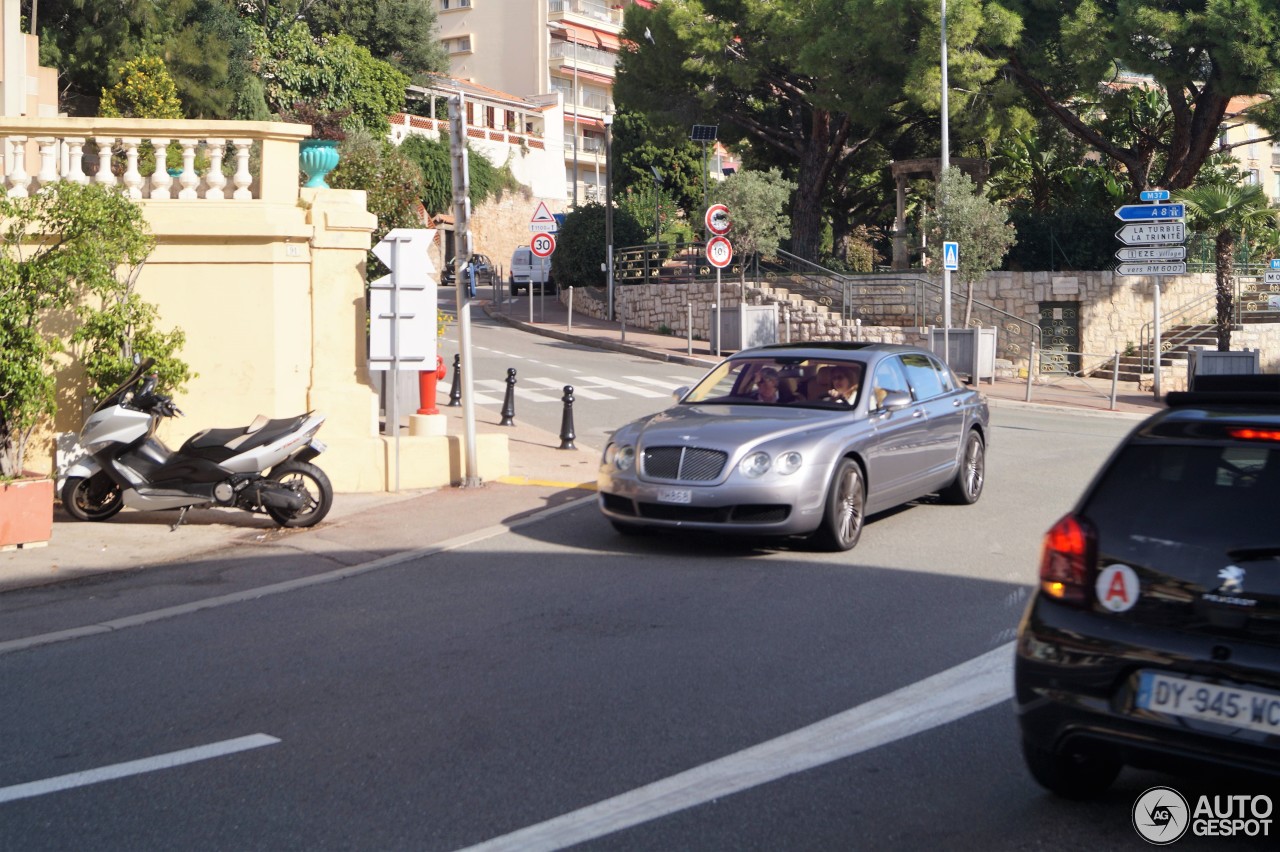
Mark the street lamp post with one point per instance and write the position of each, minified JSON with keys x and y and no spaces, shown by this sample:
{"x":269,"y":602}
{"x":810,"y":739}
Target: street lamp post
{"x":561,"y":28}
{"x":608,"y":204}
{"x":946,"y":164}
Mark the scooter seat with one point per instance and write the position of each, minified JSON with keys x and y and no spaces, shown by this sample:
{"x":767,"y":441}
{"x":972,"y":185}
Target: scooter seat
{"x":261,"y":431}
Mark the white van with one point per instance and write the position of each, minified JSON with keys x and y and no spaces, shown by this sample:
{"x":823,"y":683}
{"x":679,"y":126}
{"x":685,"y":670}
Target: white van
{"x":527,"y":269}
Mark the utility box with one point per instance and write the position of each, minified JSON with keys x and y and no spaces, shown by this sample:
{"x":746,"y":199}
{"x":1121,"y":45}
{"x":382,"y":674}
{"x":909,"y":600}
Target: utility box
{"x":744,"y":327}
{"x":973,"y":352}
{"x":1210,"y":362}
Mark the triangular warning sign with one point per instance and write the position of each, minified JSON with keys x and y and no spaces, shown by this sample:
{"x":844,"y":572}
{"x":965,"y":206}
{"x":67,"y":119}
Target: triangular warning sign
{"x":542,"y":214}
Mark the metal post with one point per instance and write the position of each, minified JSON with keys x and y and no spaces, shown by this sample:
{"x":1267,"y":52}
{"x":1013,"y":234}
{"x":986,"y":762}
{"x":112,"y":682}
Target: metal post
{"x":608,"y":207}
{"x":577,"y":99}
{"x":946,"y":164}
{"x":719,"y":324}
{"x":688,"y":327}
{"x":1031,"y":368}
{"x":857,"y":327}
{"x":1155,"y":345}
{"x":569,"y":323}
{"x":1115,"y":377}
{"x":462,"y":220}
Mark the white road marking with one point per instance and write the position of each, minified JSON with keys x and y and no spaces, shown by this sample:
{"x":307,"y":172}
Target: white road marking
{"x":134,"y":767}
{"x":938,"y":700}
{"x":622,"y":386}
{"x":578,"y":393}
{"x":665,"y":384}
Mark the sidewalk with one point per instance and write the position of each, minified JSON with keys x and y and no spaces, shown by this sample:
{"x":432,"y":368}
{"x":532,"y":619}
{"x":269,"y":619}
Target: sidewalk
{"x":250,"y":549}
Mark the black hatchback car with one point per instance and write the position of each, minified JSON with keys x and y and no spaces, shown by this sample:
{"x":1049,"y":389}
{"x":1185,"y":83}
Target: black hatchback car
{"x":1154,"y":637}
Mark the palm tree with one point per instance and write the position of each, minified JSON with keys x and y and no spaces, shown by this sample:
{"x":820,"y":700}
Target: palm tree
{"x":1226,"y":210}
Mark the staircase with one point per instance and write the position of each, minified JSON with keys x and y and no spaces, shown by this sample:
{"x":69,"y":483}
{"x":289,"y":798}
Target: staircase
{"x":1194,"y":326}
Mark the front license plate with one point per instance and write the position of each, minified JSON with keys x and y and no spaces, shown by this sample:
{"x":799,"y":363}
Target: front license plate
{"x":675,"y":495}
{"x":1193,"y":699}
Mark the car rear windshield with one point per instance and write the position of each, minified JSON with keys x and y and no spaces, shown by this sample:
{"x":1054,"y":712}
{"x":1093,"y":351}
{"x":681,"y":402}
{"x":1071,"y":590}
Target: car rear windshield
{"x":821,"y":383}
{"x":1195,"y":492}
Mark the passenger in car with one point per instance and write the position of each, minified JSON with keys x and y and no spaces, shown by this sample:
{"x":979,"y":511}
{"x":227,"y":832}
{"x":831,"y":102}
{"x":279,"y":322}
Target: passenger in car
{"x":844,"y":385}
{"x":767,"y":386}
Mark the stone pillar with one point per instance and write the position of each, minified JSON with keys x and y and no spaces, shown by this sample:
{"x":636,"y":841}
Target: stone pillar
{"x":341,"y":236}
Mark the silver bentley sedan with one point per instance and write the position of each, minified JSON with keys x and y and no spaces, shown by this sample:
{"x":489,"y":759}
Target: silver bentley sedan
{"x":799,"y":440}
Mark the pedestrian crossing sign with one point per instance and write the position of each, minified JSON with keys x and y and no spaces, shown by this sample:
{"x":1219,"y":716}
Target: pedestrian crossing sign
{"x":951,"y":256}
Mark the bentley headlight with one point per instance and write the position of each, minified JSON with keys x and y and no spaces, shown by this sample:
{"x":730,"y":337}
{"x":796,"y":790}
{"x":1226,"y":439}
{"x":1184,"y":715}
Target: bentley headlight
{"x":755,"y":465}
{"x":625,"y":458}
{"x":789,"y":463}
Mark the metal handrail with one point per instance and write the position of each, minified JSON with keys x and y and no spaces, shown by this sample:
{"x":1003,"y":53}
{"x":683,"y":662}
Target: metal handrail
{"x":1082,"y":375}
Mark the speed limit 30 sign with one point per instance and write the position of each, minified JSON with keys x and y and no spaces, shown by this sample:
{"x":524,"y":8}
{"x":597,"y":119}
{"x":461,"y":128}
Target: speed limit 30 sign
{"x":543,"y":245}
{"x":719,"y":252}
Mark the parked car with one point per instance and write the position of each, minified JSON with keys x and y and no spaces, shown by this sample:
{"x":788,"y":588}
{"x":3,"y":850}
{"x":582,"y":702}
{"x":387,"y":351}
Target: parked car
{"x":1154,"y":637}
{"x":528,"y":271}
{"x":815,"y":463}
{"x":484,"y":269}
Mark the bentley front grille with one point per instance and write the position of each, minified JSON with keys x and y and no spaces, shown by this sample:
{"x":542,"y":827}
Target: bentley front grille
{"x":686,"y":464}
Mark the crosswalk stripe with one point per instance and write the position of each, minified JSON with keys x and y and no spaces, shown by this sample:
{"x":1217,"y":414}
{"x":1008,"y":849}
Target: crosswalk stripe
{"x":578,"y":393}
{"x":668,"y":386}
{"x":625,"y":388}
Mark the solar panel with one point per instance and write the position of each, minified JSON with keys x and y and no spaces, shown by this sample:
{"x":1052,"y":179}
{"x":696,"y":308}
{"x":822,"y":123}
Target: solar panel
{"x":704,"y":132}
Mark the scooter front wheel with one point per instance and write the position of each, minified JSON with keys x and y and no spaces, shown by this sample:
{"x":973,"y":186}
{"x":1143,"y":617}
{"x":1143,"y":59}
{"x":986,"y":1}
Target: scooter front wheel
{"x":94,"y":499}
{"x":312,"y":483}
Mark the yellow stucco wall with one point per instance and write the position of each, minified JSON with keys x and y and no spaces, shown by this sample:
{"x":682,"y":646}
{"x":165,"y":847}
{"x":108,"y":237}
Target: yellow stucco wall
{"x":271,"y":298}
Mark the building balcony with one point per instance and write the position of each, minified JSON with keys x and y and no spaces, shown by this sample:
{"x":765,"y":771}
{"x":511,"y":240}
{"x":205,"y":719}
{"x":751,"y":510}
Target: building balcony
{"x":592,"y":60}
{"x":593,"y":11}
{"x":221,"y":160}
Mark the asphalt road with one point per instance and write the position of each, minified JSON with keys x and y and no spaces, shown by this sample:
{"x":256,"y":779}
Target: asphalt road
{"x":558,"y":684}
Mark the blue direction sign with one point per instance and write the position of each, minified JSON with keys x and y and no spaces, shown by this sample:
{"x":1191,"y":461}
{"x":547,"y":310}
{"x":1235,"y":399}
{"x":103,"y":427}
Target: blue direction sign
{"x":1275,"y":263}
{"x":1154,"y":195}
{"x":1151,"y":212}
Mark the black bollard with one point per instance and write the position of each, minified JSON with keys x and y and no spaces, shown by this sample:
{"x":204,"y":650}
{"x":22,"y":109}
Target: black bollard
{"x":566,"y":421}
{"x":455,"y":390}
{"x":509,"y":404}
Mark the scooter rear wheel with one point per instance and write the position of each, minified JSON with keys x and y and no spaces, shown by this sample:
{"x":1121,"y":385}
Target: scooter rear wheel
{"x":94,"y":499}
{"x":313,"y":484}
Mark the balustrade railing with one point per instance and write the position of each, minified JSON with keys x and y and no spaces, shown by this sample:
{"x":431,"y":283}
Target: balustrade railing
{"x":221,"y":160}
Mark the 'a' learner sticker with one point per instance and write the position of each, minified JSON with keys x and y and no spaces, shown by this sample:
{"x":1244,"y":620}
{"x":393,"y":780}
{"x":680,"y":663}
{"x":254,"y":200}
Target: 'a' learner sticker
{"x":1117,"y":587}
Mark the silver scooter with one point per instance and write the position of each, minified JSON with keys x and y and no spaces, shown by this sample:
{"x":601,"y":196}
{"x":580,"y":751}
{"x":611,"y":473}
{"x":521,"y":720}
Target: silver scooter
{"x":262,"y":467}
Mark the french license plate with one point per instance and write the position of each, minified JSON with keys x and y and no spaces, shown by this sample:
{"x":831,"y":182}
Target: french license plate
{"x":1193,"y":699}
{"x":675,"y":495}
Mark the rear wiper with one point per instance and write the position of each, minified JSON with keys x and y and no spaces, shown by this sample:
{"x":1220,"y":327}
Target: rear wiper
{"x":1254,"y":554}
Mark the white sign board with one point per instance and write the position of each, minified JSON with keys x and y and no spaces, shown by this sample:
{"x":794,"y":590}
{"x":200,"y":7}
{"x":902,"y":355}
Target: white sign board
{"x":1152,"y":253}
{"x":1151,"y":269}
{"x":1152,"y":233}
{"x":402,"y":305}
{"x":1271,"y":277}
{"x":543,"y":222}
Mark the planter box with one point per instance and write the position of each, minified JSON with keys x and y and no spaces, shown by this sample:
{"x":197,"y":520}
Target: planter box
{"x":26,"y":513}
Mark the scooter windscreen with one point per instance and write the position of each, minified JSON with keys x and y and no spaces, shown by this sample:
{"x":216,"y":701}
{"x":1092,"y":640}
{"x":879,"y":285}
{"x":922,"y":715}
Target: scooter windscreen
{"x":115,"y":397}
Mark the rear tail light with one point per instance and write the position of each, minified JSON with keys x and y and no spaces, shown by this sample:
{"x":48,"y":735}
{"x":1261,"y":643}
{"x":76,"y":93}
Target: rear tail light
{"x":1245,"y":433}
{"x":1067,"y":560}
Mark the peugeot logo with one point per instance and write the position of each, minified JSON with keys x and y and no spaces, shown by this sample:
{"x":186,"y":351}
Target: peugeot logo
{"x":1232,"y":578}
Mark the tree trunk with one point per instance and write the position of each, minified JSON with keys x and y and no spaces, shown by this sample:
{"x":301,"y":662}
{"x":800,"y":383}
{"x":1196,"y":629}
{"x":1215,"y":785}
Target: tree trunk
{"x":1224,"y":255}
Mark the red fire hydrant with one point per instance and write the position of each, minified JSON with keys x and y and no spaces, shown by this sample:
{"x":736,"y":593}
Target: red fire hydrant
{"x":427,"y":387}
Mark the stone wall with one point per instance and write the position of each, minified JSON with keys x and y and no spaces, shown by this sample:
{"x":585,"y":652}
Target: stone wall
{"x":1113,"y":310}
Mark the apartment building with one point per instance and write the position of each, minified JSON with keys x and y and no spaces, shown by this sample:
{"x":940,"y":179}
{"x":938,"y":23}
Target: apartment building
{"x":1251,"y":146}
{"x":536,"y":48}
